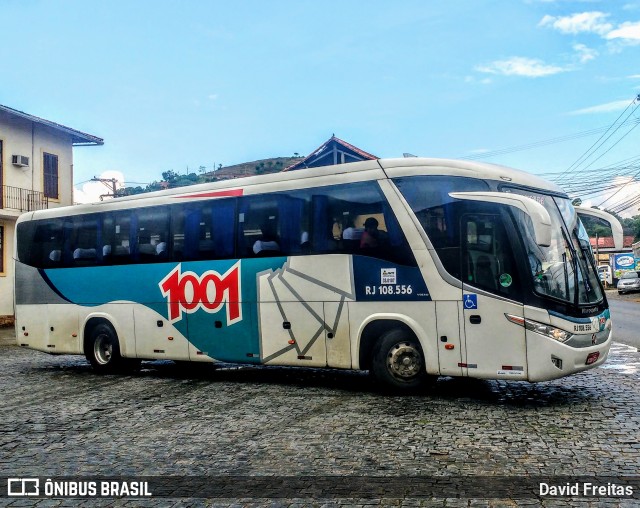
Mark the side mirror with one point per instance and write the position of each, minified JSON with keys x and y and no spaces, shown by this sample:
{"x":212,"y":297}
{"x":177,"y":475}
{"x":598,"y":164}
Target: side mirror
{"x":616,"y":227}
{"x":538,"y":213}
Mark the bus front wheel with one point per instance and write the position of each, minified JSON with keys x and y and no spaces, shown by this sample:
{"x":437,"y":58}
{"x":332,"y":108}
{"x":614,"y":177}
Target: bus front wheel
{"x":102,"y":349}
{"x":398,"y":361}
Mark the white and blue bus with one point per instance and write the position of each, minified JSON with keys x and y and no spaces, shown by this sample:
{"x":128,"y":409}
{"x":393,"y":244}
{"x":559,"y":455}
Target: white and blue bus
{"x":410,"y":268}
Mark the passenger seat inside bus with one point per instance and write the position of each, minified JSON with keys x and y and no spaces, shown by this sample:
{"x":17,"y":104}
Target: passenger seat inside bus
{"x":84,"y":257}
{"x":263,"y":248}
{"x":268,"y":244}
{"x":55,"y":255}
{"x":305,"y":244}
{"x":146,"y":251}
{"x":120,"y":254}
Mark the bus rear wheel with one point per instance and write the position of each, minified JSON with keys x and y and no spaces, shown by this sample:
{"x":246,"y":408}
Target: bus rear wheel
{"x":398,"y":362}
{"x":102,"y":349}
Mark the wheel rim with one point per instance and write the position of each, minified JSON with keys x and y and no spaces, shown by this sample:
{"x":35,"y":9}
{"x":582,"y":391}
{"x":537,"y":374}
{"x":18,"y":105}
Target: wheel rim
{"x":404,"y":361}
{"x":103,"y":349}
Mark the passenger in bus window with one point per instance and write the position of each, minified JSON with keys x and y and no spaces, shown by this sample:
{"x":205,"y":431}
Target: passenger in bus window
{"x":371,"y":236}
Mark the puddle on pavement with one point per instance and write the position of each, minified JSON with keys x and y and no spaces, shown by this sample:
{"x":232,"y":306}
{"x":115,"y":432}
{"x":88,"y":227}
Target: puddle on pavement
{"x":624,"y":359}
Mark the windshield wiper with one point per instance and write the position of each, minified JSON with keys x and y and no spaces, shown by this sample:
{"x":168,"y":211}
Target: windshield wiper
{"x":566,"y":274}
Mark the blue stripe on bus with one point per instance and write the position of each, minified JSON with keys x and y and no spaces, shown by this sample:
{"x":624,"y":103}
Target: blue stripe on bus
{"x":93,"y":286}
{"x":216,"y":329}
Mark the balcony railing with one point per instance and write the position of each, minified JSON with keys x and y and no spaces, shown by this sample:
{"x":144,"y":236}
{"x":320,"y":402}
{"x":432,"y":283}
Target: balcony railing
{"x":22,"y":200}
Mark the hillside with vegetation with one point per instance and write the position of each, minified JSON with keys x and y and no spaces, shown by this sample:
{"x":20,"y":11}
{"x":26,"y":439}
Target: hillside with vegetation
{"x":171,"y":179}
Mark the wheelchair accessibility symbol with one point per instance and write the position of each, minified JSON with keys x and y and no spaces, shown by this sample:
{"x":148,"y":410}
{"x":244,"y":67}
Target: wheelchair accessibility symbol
{"x":470,"y":301}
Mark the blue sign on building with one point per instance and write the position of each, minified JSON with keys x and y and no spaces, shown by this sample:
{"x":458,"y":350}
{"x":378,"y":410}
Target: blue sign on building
{"x":623,"y":262}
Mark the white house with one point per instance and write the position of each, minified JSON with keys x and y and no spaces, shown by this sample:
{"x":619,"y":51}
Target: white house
{"x":36,"y":171}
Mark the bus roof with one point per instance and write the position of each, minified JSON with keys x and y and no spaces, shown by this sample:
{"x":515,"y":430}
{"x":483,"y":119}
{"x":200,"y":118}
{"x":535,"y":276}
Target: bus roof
{"x":325,"y":175}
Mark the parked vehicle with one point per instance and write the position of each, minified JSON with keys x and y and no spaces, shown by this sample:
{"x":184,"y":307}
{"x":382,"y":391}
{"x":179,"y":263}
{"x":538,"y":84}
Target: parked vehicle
{"x":629,"y":281}
{"x":606,"y":274}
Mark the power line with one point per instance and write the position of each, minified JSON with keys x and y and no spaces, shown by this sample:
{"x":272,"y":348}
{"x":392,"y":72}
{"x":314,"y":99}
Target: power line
{"x":612,"y":146}
{"x":537,"y":144}
{"x":631,"y":180}
{"x":593,"y":147}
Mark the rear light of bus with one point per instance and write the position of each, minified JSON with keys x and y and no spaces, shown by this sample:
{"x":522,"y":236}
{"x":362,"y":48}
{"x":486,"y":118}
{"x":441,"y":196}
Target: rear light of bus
{"x":535,"y":326}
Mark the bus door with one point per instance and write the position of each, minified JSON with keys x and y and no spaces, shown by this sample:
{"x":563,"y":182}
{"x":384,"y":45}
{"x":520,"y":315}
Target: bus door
{"x":449,"y":340}
{"x":493,"y":346}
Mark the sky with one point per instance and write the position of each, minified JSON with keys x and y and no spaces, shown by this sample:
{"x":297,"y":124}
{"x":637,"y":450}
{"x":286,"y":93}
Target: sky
{"x":175,"y":85}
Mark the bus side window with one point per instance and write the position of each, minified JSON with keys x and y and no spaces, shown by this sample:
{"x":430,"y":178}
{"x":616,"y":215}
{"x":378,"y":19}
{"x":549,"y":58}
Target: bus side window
{"x":150,"y":239}
{"x":117,"y":239}
{"x":322,"y":220}
{"x":48,"y":241}
{"x":438,"y":213}
{"x":258,"y":226}
{"x":83,"y":240}
{"x":359,"y":220}
{"x":274,"y":225}
{"x":203,"y":230}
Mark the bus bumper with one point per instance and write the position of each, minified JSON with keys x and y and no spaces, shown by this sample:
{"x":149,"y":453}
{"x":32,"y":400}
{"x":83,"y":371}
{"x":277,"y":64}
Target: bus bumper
{"x":549,"y":359}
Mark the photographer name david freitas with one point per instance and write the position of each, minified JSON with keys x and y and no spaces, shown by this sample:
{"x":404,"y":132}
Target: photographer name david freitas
{"x":585,"y":489}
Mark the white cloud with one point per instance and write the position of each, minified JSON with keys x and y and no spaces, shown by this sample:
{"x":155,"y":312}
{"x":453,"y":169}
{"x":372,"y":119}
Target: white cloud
{"x":627,"y":31}
{"x":590,"y":22}
{"x":91,"y":191}
{"x":483,"y":81}
{"x":595,"y":22}
{"x":520,"y":66}
{"x":584,"y":53}
{"x":213,"y":97}
{"x":603,"y":108}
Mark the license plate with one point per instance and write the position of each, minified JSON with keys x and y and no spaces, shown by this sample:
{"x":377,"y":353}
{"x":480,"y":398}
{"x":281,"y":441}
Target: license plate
{"x":592,"y":358}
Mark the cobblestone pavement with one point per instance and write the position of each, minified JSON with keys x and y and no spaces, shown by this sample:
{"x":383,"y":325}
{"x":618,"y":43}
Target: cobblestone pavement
{"x":58,"y":418}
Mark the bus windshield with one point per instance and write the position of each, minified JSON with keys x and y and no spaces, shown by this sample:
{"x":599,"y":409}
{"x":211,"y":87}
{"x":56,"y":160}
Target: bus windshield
{"x":565,"y":270}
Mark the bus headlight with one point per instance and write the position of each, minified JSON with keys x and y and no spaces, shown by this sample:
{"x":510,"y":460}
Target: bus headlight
{"x":546,"y":330}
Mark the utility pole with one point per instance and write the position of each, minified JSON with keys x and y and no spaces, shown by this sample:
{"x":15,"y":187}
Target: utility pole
{"x":106,"y":182}
{"x":598,"y":260}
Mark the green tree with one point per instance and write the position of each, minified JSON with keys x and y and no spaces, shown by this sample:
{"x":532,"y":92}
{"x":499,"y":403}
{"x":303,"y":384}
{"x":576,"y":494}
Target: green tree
{"x":595,"y":226}
{"x":631,"y":226}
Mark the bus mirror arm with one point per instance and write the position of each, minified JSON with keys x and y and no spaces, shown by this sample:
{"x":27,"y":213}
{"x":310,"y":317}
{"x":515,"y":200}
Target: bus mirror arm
{"x":538,"y":214}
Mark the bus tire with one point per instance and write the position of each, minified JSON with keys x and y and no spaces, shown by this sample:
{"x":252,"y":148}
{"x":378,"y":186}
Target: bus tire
{"x":102,"y":350}
{"x":398,"y":362}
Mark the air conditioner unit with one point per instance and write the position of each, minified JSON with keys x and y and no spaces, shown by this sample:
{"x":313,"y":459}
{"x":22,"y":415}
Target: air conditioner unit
{"x":20,"y":160}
